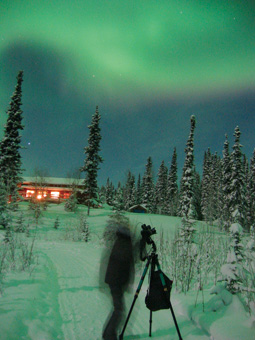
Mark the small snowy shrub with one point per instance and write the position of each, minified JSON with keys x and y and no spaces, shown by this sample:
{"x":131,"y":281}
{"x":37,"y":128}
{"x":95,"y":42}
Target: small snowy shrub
{"x":20,"y":227}
{"x":83,"y":229}
{"x":232,"y":271}
{"x":71,"y":204}
{"x":56,"y":223}
{"x":187,"y":254}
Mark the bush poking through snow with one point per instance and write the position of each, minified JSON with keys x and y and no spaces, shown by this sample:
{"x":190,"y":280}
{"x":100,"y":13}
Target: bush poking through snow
{"x":20,"y":227}
{"x":71,"y":204}
{"x":232,"y":271}
{"x":56,"y":223}
{"x":83,"y":229}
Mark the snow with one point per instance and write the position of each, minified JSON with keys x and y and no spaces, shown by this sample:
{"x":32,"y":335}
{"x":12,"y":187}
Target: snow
{"x":236,"y":228}
{"x":61,"y":296}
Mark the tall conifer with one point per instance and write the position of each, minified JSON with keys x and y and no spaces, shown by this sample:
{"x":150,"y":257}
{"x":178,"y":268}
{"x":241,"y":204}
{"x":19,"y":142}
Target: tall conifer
{"x":237,"y":185}
{"x":93,"y":159}
{"x":171,"y":204}
{"x":148,"y":186}
{"x":187,"y":208}
{"x":10,"y":159}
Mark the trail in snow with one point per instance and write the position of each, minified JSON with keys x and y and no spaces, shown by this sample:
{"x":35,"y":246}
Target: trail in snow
{"x":83,"y":307}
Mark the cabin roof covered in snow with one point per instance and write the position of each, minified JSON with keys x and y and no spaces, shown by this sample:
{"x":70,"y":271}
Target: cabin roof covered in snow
{"x":53,"y":180}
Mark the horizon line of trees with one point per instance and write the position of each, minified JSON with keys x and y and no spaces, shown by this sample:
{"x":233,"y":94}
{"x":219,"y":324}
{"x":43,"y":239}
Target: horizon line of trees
{"x":226,"y":191}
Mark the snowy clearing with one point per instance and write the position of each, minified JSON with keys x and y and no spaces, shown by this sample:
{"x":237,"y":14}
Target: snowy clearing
{"x":59,"y":297}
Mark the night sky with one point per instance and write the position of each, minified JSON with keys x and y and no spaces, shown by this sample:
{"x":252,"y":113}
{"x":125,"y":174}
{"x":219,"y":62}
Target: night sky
{"x":148,"y":65}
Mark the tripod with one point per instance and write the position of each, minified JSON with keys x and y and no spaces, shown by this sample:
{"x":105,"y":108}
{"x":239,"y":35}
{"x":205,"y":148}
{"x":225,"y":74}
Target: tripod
{"x":152,"y":260}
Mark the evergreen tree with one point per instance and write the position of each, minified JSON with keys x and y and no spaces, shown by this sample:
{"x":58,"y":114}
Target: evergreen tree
{"x":215,"y":187}
{"x":197,"y":196}
{"x":93,"y":159}
{"x":10,"y":159}
{"x":139,"y":193}
{"x":251,"y":193}
{"x":3,"y":204}
{"x":161,"y":186}
{"x":148,"y":186}
{"x":171,"y":203}
{"x":118,"y":201}
{"x":186,"y":208}
{"x":205,"y":198}
{"x":225,"y":186}
{"x":237,"y":186}
{"x":232,"y":270}
{"x":71,"y":203}
{"x":130,"y":191}
{"x":109,"y":192}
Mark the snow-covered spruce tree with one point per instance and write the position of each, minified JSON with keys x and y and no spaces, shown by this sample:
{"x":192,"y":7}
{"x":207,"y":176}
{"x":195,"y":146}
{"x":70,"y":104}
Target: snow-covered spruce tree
{"x":118,"y":202}
{"x":71,"y":203}
{"x":186,"y":208}
{"x":251,"y":193}
{"x":205,"y":198}
{"x":211,"y":185}
{"x":237,"y":186}
{"x":187,"y":248}
{"x":10,"y":159}
{"x":139,"y":193}
{"x":225,"y":186}
{"x":161,"y":187}
{"x":130,"y":191}
{"x":197,"y":195}
{"x":215,"y":187}
{"x":148,"y":186}
{"x":232,"y":271}
{"x":171,"y":202}
{"x":109,"y":192}
{"x":3,"y":204}
{"x":93,"y":159}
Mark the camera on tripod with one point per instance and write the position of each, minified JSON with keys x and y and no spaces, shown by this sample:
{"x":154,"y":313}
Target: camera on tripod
{"x":158,"y":294}
{"x":147,"y":232}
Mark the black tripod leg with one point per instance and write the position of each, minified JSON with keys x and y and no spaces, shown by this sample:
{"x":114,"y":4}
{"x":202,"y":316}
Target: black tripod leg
{"x":175,"y":321}
{"x":170,"y":305}
{"x":135,"y":297}
{"x":150,"y":323}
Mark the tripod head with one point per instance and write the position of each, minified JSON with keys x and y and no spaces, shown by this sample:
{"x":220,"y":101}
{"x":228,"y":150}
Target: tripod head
{"x":146,"y":233}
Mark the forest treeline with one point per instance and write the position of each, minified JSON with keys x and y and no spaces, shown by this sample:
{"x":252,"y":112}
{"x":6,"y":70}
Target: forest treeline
{"x":224,"y":193}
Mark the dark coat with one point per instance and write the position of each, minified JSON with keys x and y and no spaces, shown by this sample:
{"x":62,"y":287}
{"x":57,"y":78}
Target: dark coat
{"x":120,"y":269}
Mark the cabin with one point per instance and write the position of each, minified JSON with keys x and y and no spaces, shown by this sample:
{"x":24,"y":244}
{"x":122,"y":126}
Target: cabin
{"x":138,"y":208}
{"x":49,"y":188}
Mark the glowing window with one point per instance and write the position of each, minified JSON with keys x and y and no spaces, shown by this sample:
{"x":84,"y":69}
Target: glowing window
{"x":54,"y":194}
{"x":30,"y":193}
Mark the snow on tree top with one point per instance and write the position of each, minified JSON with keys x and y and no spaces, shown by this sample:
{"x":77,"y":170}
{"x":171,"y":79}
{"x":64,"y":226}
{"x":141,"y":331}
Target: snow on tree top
{"x":236,"y":228}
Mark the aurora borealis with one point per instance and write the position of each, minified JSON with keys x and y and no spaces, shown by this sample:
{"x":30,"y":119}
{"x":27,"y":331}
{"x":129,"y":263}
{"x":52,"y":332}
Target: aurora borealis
{"x":148,"y":65}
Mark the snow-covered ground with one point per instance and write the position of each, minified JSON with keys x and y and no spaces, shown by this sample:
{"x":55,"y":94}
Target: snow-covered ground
{"x":59,"y":297}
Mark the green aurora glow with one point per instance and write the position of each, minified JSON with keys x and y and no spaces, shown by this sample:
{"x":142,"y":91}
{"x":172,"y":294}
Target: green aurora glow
{"x":148,"y":64}
{"x":160,"y":47}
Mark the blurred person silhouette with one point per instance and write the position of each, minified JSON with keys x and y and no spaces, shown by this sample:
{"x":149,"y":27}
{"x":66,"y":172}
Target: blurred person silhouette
{"x":119,"y":275}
